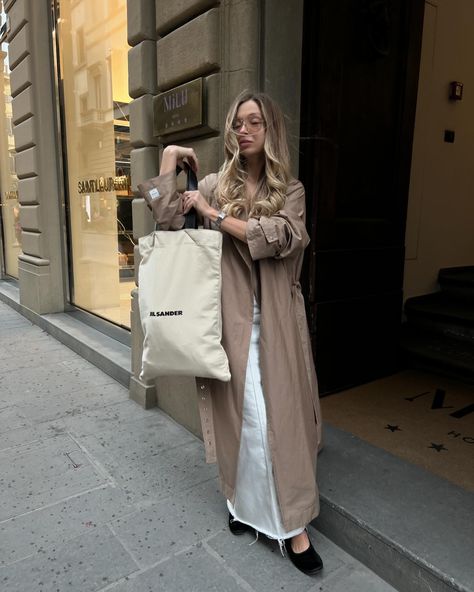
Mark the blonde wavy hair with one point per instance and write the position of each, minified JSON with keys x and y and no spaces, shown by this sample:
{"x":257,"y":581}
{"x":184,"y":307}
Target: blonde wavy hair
{"x":231,"y":193}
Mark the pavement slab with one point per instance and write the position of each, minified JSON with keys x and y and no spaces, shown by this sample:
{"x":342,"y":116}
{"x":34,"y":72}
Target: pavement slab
{"x":99,"y":495}
{"x":194,"y":570}
{"x":31,"y":533}
{"x":44,"y":474}
{"x":174,"y":524}
{"x":86,"y":563}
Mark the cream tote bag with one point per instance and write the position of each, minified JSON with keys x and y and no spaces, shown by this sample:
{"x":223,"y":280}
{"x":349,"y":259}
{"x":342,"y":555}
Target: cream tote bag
{"x":180,"y":300}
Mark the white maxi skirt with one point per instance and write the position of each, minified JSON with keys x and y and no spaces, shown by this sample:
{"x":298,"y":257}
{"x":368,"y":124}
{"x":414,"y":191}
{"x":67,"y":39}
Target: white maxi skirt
{"x":256,"y":502}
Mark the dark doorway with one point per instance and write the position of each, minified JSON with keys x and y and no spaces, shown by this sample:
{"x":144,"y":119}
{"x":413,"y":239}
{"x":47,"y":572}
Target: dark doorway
{"x":360,"y":75}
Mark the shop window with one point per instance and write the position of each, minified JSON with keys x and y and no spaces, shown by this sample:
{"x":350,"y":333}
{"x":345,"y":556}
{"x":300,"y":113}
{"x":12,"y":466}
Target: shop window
{"x":97,"y":149}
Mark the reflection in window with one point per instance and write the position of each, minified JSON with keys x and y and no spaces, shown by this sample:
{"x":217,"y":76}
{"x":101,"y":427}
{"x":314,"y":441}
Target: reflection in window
{"x":80,"y":49}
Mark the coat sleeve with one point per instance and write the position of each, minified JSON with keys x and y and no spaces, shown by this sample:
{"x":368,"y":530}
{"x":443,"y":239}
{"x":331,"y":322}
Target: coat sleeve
{"x":284,"y":234}
{"x":165,"y":201}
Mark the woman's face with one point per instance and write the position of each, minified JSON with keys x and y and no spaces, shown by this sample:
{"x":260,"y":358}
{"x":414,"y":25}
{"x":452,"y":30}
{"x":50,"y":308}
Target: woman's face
{"x":250,"y":129}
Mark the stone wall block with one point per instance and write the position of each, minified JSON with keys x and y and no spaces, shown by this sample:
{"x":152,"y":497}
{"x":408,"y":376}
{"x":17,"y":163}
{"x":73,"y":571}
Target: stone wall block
{"x":26,"y":163}
{"x":19,"y":46}
{"x":32,"y":243}
{"x":24,"y":134}
{"x":23,"y":106}
{"x":190,"y":51}
{"x":141,"y":122}
{"x":242,"y":50}
{"x":28,"y":190}
{"x":209,"y":153}
{"x":144,"y":164}
{"x":19,"y":14}
{"x":212,"y":93}
{"x":236,"y":82}
{"x":176,"y":396}
{"x":143,"y":222}
{"x":30,"y":217}
{"x":142,"y":69}
{"x":21,"y":76}
{"x":170,"y":15}
{"x":140,"y":21}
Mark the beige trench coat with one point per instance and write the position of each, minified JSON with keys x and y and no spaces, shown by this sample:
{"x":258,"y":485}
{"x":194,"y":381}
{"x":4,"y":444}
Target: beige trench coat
{"x":271,"y":260}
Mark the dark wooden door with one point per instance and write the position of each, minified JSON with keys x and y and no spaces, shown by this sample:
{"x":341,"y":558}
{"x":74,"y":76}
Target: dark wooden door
{"x":360,"y":74}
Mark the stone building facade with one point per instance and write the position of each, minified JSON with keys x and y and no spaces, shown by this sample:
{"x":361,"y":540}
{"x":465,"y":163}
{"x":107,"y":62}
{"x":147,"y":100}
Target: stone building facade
{"x":66,"y":93}
{"x":81,"y":80}
{"x":232,"y":46}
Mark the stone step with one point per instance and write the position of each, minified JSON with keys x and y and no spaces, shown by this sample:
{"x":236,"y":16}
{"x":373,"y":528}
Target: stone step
{"x":412,"y":528}
{"x":458,"y":281}
{"x":441,"y":310}
{"x":437,"y":353}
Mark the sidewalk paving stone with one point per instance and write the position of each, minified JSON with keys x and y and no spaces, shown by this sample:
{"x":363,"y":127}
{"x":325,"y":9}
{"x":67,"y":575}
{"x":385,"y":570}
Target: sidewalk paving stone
{"x":191,"y":571}
{"x":44,"y":475}
{"x":156,"y":476}
{"x":99,"y":495}
{"x":43,"y":406}
{"x":86,"y":563}
{"x":30,"y":533}
{"x":170,"y":526}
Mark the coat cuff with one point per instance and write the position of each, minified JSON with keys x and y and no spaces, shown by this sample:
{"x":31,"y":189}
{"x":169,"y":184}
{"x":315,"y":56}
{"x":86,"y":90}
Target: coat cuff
{"x":262,"y":238}
{"x":162,"y":198}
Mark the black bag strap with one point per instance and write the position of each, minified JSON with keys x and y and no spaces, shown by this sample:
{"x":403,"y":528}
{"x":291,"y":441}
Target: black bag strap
{"x":190,"y":219}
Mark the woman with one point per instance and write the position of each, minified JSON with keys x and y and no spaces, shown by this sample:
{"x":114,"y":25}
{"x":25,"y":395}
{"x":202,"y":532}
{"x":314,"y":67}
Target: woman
{"x":264,"y":426}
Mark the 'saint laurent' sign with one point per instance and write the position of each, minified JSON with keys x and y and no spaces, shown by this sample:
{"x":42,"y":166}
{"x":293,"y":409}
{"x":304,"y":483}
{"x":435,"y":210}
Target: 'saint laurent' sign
{"x":178,"y":109}
{"x":103,"y":184}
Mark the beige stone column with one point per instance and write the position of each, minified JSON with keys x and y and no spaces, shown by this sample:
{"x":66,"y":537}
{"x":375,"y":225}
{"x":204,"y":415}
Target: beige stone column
{"x":224,"y":44}
{"x":142,"y":84}
{"x":282,"y":73}
{"x":41,"y":278}
{"x":219,"y":42}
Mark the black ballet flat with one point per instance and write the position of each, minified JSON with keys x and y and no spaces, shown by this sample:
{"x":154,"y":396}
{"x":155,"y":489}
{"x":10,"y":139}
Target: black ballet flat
{"x":309,"y":562}
{"x":237,"y":527}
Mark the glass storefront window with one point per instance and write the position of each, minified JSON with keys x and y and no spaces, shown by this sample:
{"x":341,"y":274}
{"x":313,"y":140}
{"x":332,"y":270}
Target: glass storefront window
{"x":92,"y":43}
{"x":10,"y":208}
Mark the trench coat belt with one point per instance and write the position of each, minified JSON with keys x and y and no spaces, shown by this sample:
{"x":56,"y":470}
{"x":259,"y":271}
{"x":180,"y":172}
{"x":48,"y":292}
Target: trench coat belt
{"x":207,"y":421}
{"x":296,"y":287}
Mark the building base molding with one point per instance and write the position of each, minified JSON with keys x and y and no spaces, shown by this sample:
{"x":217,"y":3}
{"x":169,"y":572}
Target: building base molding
{"x":35,"y":286}
{"x":141,"y":393}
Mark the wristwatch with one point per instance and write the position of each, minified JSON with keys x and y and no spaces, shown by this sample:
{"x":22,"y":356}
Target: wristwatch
{"x":220,"y":216}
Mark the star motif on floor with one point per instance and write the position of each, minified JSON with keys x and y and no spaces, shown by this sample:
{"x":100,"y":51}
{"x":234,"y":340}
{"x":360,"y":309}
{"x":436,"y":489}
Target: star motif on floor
{"x":438,"y":447}
{"x":392,"y":428}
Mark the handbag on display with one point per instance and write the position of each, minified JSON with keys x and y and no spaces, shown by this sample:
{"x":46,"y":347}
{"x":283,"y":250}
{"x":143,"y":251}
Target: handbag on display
{"x":179,"y":281}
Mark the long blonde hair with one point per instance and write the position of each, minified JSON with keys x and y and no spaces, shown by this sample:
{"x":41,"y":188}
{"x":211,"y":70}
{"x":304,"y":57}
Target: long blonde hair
{"x":272,"y":187}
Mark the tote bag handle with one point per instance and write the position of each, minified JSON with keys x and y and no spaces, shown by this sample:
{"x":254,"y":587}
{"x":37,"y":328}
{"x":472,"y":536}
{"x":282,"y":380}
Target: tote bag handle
{"x":190,"y":219}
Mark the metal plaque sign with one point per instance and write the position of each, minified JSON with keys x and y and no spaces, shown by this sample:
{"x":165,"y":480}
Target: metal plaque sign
{"x":178,"y":109}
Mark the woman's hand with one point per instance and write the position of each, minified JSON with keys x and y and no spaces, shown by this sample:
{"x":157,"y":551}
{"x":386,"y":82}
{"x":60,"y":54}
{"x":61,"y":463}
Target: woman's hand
{"x":193,"y":199}
{"x":175,"y":155}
